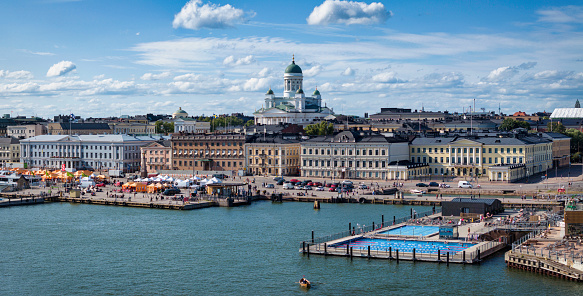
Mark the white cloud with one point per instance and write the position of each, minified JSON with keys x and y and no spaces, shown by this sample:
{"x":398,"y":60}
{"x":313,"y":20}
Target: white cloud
{"x":505,"y":73}
{"x":196,"y":16}
{"x":151,"y":76}
{"x":564,"y":14}
{"x":255,"y":84}
{"x":15,"y":74}
{"x":232,"y":61}
{"x":40,"y":53}
{"x":315,"y":70}
{"x":349,"y":13}
{"x":387,"y":77}
{"x":61,"y":68}
{"x":264,"y":72}
{"x":348,"y":72}
{"x":187,"y":77}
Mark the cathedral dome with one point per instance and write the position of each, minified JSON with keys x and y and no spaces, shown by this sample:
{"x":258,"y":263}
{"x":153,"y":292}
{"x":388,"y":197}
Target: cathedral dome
{"x":300,"y":91}
{"x":316,"y":92}
{"x":179,"y":113}
{"x":269,"y":92}
{"x":293,"y":68}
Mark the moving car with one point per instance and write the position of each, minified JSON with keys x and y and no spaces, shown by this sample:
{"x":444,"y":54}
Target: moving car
{"x":433,"y":184}
{"x":464,"y":184}
{"x":421,"y":185}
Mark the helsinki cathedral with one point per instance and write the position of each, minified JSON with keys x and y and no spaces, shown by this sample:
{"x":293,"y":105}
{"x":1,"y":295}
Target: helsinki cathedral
{"x":294,"y":107}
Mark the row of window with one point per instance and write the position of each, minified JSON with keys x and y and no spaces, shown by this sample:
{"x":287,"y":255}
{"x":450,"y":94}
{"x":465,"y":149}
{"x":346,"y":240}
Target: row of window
{"x":196,"y":163}
{"x":287,"y":161}
{"x":358,"y":164}
{"x":311,"y":151}
{"x":275,"y":152}
{"x":471,"y":160}
{"x":77,"y":147}
{"x":205,"y":144}
{"x":466,"y":150}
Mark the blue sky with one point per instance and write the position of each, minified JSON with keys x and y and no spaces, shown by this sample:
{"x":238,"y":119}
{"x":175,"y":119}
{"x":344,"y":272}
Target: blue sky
{"x":104,"y":58}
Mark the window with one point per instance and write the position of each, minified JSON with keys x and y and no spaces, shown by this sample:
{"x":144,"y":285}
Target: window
{"x":424,"y":149}
{"x":412,"y":150}
{"x":418,"y":150}
{"x":489,"y":150}
{"x":430,"y":150}
{"x":513,"y":150}
{"x":495,"y":150}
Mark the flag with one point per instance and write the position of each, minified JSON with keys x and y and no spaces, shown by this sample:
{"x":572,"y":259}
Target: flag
{"x":70,"y":175}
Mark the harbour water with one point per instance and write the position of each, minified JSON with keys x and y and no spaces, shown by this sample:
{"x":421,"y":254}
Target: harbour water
{"x":80,"y":249}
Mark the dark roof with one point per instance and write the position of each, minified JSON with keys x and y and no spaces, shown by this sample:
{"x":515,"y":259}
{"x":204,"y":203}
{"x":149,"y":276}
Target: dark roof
{"x":85,"y":126}
{"x":9,"y":140}
{"x":408,"y":163}
{"x":551,"y":135}
{"x":275,"y":139}
{"x":488,"y":201}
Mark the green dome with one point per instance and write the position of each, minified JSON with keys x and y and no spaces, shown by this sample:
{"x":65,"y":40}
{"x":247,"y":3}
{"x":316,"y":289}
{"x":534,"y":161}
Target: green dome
{"x":316,"y":92}
{"x":269,"y":92}
{"x":299,"y":91}
{"x":293,"y":68}
{"x":180,"y":111}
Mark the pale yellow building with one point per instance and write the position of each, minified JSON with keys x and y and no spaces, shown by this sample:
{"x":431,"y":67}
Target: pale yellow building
{"x":476,"y":156}
{"x":272,"y":155}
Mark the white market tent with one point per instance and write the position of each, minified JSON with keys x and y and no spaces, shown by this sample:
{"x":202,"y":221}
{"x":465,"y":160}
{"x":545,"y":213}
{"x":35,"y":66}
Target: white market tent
{"x":562,"y":113}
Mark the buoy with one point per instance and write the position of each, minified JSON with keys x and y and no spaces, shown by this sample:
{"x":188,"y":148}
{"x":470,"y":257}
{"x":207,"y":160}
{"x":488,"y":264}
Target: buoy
{"x":316,"y":205}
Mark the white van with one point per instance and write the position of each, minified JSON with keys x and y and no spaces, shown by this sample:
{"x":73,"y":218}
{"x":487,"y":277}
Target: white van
{"x":288,"y":186}
{"x":464,"y":184}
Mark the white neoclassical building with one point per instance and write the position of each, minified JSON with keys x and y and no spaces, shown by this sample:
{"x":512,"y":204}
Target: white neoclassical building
{"x":294,"y":107}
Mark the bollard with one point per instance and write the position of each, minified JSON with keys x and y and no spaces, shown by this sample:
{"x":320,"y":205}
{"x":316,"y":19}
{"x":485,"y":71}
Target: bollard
{"x":373,"y":226}
{"x":325,"y":249}
{"x":350,"y":252}
{"x":347,"y":249}
{"x":349,"y":227}
{"x":397,"y":255}
{"x":464,"y":256}
{"x":368,"y":252}
{"x":382,"y":220}
{"x":390,"y":252}
{"x":439,"y":256}
{"x":394,"y":219}
{"x":447,"y":258}
{"x":312,"y":236}
{"x":308,"y":250}
{"x":413,"y":254}
{"x":411,"y":213}
{"x":303,"y":247}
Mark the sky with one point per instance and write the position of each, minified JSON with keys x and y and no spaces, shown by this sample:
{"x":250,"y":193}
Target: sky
{"x":99,"y":58}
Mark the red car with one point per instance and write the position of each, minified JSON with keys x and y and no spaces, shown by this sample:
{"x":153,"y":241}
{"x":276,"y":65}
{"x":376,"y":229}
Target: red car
{"x":294,"y":181}
{"x":333,"y":186}
{"x":332,"y":189}
{"x":317,"y":184}
{"x":311,"y":184}
{"x":100,"y":185}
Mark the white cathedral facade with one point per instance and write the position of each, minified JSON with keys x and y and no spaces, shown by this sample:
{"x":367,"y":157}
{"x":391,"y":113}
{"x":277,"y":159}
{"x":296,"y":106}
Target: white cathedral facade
{"x":294,"y":107}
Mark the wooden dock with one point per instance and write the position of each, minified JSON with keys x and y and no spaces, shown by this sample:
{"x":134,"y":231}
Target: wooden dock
{"x":543,"y":265}
{"x":24,"y":201}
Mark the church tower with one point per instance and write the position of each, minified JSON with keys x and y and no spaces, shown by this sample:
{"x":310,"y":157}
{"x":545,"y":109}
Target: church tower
{"x":292,"y":79}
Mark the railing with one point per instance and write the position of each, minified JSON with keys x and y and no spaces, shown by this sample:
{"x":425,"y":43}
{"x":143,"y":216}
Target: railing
{"x":361,"y":230}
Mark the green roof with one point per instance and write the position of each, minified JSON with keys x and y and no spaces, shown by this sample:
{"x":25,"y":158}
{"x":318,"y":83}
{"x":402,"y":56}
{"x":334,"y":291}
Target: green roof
{"x":293,"y":68}
{"x":269,"y":92}
{"x":316,"y":92}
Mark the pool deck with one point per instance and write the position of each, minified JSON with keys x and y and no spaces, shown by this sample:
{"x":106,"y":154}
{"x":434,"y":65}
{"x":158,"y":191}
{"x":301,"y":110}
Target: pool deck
{"x":473,"y":254}
{"x":550,"y":254}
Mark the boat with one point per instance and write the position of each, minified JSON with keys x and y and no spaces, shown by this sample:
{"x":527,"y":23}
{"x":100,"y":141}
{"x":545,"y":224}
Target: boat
{"x":304,"y":283}
{"x":417,"y":191}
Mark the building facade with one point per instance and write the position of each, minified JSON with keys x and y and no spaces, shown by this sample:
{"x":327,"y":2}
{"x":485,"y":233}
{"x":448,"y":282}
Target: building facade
{"x":9,"y":150}
{"x":273,"y":155}
{"x":191,"y":125}
{"x":26,"y":131}
{"x":350,"y":154}
{"x":294,"y":107}
{"x":96,"y":152}
{"x":208,"y":152}
{"x":157,"y":156}
{"x":132,"y":128}
{"x":473,"y":156}
{"x":561,"y":149}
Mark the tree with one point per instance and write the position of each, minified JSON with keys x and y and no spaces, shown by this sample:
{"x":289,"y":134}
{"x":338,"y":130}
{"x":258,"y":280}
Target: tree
{"x":320,"y":129}
{"x":164,"y":127}
{"x":556,"y":127}
{"x":250,"y":122}
{"x":509,"y":124}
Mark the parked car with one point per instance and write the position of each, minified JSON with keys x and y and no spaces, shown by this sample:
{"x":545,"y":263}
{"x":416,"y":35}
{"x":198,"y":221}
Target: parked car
{"x":294,"y":180}
{"x":307,"y":187}
{"x":443,"y":185}
{"x":288,"y":186}
{"x":269,"y":186}
{"x":433,"y":184}
{"x":298,"y":187}
{"x":347,"y":182}
{"x":100,"y":185}
{"x":331,"y":189}
{"x":310,"y":184}
{"x":317,"y":183}
{"x":171,"y":191}
{"x":320,"y":188}
{"x":362,"y":186}
{"x":277,"y":178}
{"x":280,"y":182}
{"x":421,"y":185}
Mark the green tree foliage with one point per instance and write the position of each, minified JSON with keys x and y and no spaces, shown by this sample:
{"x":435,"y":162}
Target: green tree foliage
{"x":250,"y":122}
{"x":556,"y":127}
{"x":224,"y":122}
{"x":509,"y":124}
{"x":320,"y":129}
{"x":164,"y":127}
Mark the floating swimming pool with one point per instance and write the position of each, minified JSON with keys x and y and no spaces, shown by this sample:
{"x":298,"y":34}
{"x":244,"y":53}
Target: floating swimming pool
{"x":413,"y":230}
{"x":426,"y":247}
